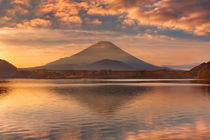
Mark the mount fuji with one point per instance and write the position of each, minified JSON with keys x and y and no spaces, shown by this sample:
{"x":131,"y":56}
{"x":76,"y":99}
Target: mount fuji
{"x":103,"y":55}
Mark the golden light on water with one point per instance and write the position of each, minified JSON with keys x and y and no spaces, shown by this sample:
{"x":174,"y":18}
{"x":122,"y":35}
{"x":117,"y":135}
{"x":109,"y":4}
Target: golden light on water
{"x":46,"y":109}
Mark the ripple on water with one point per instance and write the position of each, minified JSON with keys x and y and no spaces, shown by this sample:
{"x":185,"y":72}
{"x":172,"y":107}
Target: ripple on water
{"x":103,"y":110}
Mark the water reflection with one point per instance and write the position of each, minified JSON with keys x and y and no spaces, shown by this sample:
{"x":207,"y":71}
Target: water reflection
{"x":4,"y":90}
{"x":53,"y":110}
{"x":104,"y":99}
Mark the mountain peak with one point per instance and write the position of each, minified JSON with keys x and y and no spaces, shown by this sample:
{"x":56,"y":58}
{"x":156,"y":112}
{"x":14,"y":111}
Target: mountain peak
{"x":104,"y":44}
{"x":103,"y":50}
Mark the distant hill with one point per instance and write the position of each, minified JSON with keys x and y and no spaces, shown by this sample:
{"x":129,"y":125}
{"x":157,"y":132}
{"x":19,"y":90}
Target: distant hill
{"x":202,"y":71}
{"x":181,"y":67}
{"x":6,"y":69}
{"x":99,"y":52}
{"x":101,"y":69}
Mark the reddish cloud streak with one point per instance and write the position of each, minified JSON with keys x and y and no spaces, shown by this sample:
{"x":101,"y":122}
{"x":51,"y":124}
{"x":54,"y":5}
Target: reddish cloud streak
{"x":190,"y":16}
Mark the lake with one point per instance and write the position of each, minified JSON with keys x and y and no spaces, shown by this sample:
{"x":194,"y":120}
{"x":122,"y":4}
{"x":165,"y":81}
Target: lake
{"x":112,"y":109}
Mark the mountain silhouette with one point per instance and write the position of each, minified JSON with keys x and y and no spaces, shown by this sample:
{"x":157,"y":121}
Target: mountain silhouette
{"x":6,"y":69}
{"x":96,"y":54}
{"x":108,"y":64}
{"x":202,"y":71}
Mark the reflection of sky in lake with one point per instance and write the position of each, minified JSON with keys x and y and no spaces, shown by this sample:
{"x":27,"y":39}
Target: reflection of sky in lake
{"x":47,"y":109}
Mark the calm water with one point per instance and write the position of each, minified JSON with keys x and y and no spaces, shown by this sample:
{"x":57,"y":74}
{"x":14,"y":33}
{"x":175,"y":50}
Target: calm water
{"x":104,"y":109}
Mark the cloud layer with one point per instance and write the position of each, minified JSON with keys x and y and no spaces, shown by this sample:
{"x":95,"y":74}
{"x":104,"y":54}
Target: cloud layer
{"x":190,"y":16}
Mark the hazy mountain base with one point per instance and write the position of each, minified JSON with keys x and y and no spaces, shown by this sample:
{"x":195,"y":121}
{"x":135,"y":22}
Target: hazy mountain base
{"x":7,"y":70}
{"x":202,"y":71}
{"x":104,"y":74}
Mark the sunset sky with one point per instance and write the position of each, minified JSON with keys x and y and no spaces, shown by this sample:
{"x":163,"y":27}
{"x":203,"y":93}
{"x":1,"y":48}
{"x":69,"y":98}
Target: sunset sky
{"x":162,"y":32}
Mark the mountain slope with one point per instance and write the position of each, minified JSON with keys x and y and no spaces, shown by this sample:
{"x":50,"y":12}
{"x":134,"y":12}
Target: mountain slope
{"x":202,"y":71}
{"x":100,"y":51}
{"x":181,"y":67}
{"x":108,"y":64}
{"x":6,"y":69}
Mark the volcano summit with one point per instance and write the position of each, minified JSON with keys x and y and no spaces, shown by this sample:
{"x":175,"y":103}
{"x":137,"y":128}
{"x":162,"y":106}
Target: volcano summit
{"x":103,"y":55}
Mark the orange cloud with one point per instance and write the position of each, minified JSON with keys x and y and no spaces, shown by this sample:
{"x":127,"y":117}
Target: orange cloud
{"x":66,"y":11}
{"x":151,"y":36}
{"x":17,"y":10}
{"x":95,"y":21}
{"x":5,"y":18}
{"x":35,"y":23}
{"x":21,"y":2}
{"x":190,"y":16}
{"x":71,"y":19}
{"x":129,"y":22}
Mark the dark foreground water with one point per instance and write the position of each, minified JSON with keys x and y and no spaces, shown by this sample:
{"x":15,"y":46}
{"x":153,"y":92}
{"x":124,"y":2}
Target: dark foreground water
{"x":104,"y":109}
